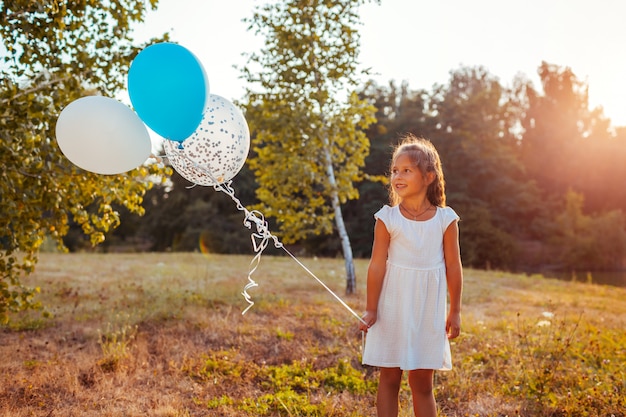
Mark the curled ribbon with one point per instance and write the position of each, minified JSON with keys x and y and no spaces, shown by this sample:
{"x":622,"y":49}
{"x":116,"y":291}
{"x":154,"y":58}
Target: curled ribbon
{"x":260,"y":237}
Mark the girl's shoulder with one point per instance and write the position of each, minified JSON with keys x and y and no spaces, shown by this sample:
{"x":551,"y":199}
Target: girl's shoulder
{"x":447,"y":209}
{"x":384,"y":210}
{"x":385,"y":213}
{"x":449,"y":215}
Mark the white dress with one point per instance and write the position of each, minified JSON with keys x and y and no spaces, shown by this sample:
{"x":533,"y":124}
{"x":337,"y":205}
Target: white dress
{"x":410,"y":331}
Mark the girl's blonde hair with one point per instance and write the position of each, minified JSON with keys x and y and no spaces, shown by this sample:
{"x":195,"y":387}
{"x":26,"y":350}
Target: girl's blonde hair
{"x":426,"y":158}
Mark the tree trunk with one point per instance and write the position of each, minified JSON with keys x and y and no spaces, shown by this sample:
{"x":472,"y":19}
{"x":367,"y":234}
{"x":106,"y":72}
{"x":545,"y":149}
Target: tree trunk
{"x":345,"y":245}
{"x":341,"y":227}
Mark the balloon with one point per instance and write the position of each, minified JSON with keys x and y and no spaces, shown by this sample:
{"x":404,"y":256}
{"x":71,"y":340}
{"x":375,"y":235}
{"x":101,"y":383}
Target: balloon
{"x":102,"y":135}
{"x":217,"y":150}
{"x":168,"y":88}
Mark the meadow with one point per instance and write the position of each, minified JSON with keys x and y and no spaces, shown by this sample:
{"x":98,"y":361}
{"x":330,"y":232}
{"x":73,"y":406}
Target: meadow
{"x":162,"y":334}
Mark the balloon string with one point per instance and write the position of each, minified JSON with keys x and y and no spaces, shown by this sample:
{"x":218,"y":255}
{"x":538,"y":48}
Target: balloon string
{"x":265,"y":235}
{"x":260,"y":240}
{"x":325,"y":286}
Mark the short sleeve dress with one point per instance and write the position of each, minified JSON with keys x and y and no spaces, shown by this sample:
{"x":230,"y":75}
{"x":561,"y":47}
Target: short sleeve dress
{"x":410,"y":330}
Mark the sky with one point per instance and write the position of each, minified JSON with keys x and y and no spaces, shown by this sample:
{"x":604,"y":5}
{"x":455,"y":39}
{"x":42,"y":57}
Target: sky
{"x":422,"y":41}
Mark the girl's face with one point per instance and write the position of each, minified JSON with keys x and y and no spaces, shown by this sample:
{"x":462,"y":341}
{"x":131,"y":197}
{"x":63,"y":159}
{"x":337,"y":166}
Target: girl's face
{"x":406,"y":178}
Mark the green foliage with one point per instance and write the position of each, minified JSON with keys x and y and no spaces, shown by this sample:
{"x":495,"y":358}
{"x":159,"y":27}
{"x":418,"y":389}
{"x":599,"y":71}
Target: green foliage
{"x":218,"y":364}
{"x":297,"y":388}
{"x":222,"y":401}
{"x":284,"y":403}
{"x":343,"y":377}
{"x":300,"y":376}
{"x":29,"y":323}
{"x":479,"y":147}
{"x":287,"y":335}
{"x":484,"y":245}
{"x":115,"y":341}
{"x":547,"y":366}
{"x":51,"y":54}
{"x":179,"y":218}
{"x":586,"y":242}
{"x":308,"y":139}
{"x":307,"y":121}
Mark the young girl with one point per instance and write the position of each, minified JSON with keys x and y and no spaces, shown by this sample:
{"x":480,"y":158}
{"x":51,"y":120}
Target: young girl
{"x":415,"y":262}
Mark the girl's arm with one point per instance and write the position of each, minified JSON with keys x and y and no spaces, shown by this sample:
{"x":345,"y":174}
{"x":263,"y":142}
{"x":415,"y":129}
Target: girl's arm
{"x":376,"y":273}
{"x":454,"y":277}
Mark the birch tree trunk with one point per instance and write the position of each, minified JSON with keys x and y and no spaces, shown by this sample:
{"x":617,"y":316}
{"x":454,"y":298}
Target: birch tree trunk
{"x":339,"y":223}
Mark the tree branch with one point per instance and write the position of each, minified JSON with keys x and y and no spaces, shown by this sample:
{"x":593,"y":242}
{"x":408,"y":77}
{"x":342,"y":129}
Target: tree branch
{"x":35,"y":89}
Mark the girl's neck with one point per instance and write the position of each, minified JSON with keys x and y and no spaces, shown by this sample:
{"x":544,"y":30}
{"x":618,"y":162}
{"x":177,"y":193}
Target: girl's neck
{"x":416,"y":205}
{"x":416,"y":212}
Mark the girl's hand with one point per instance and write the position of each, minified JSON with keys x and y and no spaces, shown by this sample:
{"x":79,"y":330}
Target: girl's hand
{"x":453,"y":325}
{"x":368,"y":320}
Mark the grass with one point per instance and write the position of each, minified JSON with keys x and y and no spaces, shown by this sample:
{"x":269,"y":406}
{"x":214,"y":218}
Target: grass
{"x":163,"y":335}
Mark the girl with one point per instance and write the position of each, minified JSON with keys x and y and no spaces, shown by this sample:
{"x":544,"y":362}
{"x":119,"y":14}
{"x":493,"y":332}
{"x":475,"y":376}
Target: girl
{"x":415,"y":262}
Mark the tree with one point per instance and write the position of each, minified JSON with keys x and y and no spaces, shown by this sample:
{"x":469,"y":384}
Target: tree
{"x":479,"y":147}
{"x":561,"y":133}
{"x":51,"y":54}
{"x":308,"y":139}
{"x":584,"y":242}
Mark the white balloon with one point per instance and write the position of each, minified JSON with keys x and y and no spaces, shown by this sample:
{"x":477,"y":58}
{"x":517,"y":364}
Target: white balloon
{"x":217,"y":150}
{"x":102,"y":135}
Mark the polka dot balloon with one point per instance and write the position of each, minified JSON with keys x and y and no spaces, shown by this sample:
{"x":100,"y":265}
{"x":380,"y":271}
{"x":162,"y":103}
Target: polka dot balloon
{"x":217,"y":150}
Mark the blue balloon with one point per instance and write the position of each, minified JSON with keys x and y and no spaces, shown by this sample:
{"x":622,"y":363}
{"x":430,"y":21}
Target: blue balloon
{"x":168,"y":88}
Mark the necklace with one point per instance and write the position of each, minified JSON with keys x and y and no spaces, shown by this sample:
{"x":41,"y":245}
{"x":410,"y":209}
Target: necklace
{"x":412,"y":214}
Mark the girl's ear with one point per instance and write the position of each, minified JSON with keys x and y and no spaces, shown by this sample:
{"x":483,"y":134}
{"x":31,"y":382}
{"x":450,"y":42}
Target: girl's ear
{"x":430,"y":177}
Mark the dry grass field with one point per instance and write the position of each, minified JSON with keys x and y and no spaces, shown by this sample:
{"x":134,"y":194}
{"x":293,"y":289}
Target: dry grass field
{"x":163,"y":335}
